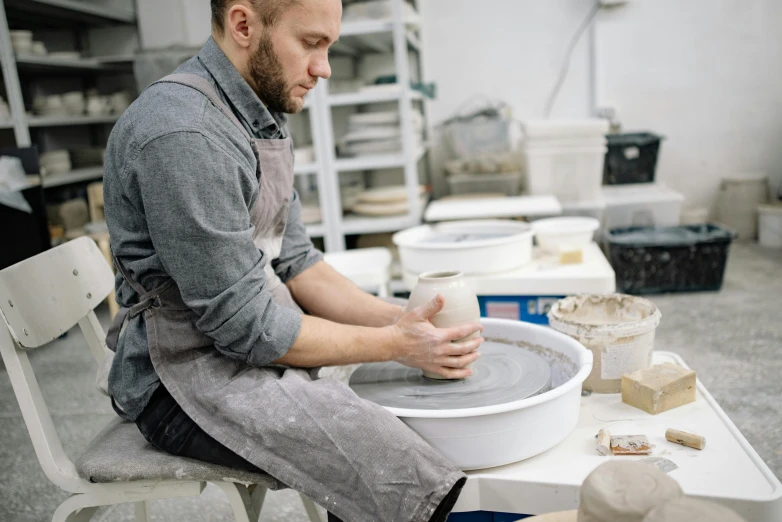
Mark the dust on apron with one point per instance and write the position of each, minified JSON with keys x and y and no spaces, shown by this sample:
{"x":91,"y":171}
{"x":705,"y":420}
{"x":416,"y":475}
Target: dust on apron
{"x":349,"y":455}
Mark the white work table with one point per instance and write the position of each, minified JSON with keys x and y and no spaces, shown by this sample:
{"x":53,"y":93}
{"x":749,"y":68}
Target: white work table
{"x":727,"y":471}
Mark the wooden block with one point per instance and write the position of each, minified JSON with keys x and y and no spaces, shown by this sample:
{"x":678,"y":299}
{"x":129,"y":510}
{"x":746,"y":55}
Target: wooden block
{"x":631,"y":445}
{"x":659,"y":388}
{"x":686,"y":439}
{"x":604,"y":442}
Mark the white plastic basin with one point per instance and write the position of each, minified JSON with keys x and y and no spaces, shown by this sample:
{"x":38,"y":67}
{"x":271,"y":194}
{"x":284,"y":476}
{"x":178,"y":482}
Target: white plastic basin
{"x":478,"y":438}
{"x":570,"y":231}
{"x":498,"y":246}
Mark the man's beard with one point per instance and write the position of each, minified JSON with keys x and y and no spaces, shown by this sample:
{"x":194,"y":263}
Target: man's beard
{"x":266,"y":73}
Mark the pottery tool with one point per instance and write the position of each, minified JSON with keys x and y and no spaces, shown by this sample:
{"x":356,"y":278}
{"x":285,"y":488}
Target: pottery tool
{"x":604,"y":442}
{"x":664,"y":465}
{"x":503,"y":374}
{"x":685,"y":439}
{"x":631,"y":445}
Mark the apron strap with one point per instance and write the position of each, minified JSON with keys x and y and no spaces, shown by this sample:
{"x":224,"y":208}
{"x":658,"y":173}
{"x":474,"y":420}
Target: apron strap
{"x":146,"y":299}
{"x":203,"y":86}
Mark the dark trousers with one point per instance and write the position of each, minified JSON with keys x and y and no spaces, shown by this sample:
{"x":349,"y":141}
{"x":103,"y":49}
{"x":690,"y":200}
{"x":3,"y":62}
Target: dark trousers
{"x":169,"y":429}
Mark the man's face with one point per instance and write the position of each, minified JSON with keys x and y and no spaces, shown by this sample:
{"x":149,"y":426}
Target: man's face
{"x":293,"y":54}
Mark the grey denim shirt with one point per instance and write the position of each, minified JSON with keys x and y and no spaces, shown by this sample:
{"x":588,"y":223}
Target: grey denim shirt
{"x":179,"y":181}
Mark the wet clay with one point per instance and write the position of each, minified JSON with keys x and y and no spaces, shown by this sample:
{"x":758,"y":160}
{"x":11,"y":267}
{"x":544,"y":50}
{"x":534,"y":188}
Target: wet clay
{"x":505,"y":373}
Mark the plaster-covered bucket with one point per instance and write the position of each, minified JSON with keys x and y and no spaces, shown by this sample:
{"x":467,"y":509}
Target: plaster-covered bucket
{"x":770,"y":225}
{"x":618,"y":329}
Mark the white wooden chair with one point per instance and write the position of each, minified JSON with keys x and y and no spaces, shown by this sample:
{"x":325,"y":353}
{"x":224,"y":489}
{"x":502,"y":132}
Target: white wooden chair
{"x":42,"y":298}
{"x":368,"y":268}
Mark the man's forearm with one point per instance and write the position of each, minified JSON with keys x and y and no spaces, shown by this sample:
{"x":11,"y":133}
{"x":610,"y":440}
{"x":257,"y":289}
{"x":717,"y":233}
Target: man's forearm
{"x":325,"y":343}
{"x":323,"y":292}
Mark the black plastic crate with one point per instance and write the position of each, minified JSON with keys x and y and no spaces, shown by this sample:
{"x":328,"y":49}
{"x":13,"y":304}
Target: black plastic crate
{"x":631,"y":158}
{"x":653,"y":260}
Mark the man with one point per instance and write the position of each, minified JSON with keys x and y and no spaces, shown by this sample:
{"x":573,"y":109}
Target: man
{"x":215,"y":357}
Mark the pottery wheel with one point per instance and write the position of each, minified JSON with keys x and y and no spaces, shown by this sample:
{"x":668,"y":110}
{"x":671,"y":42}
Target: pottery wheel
{"x":503,"y":374}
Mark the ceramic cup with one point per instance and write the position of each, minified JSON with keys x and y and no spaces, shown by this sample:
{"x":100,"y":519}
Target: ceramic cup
{"x":461,"y":304}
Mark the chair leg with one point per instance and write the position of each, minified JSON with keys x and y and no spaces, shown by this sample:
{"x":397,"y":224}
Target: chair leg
{"x":142,"y":511}
{"x":68,"y":513}
{"x":257,"y":496}
{"x":312,"y":511}
{"x":240,"y":501}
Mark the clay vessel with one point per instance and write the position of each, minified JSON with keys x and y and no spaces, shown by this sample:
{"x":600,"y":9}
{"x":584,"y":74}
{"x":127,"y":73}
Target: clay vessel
{"x":461,"y":304}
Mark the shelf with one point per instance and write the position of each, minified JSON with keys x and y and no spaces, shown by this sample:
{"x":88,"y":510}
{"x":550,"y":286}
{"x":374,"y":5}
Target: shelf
{"x":317,"y":230}
{"x":370,"y":96}
{"x":45,"y":64}
{"x":59,"y":13}
{"x":74,"y":176}
{"x":306,"y":168}
{"x":59,"y":121}
{"x":8,"y":124}
{"x":382,"y":161}
{"x":355,"y":224}
{"x":372,"y":36}
{"x":363,"y":27}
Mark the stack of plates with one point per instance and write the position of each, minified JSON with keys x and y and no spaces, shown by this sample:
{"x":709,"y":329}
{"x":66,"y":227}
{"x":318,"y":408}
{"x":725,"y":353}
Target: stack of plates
{"x":54,"y":162}
{"x":89,"y":157}
{"x":385,"y":201}
{"x":377,"y":133}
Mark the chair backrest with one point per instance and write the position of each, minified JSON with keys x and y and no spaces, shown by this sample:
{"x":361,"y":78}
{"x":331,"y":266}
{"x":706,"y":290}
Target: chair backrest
{"x":40,"y":299}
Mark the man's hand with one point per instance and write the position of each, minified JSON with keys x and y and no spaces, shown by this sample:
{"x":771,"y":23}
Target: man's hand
{"x":419,"y":344}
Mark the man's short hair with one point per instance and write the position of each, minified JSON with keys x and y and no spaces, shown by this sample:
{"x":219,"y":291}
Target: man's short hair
{"x":269,"y":11}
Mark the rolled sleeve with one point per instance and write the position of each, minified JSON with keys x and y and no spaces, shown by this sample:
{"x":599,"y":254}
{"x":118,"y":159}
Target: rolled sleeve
{"x":297,"y":253}
{"x":196,"y":196}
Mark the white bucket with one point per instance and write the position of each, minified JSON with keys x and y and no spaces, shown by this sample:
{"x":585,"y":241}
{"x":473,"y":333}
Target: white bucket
{"x":552,"y":233}
{"x":770,"y":225}
{"x":737,"y":204}
{"x":618,"y":329}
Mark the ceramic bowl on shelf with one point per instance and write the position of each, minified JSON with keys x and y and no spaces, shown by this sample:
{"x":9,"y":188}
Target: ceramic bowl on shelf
{"x":120,"y":101}
{"x":38,"y":49}
{"x":576,"y":232}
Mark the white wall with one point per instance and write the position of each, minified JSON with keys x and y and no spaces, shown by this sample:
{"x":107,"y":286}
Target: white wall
{"x":505,"y":49}
{"x":707,"y":74}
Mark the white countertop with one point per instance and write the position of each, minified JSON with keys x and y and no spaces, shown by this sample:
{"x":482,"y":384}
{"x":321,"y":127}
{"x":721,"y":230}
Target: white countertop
{"x":727,"y":470}
{"x":544,"y":276}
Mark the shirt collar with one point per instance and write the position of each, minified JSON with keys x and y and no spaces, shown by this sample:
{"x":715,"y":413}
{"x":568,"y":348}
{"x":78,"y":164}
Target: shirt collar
{"x":236,"y":89}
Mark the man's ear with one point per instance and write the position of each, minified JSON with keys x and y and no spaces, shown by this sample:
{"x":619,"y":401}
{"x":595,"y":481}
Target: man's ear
{"x":240,"y":24}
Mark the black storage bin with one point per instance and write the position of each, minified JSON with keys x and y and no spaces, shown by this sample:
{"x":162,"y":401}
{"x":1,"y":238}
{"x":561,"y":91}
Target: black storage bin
{"x":649,"y":260}
{"x":631,"y":158}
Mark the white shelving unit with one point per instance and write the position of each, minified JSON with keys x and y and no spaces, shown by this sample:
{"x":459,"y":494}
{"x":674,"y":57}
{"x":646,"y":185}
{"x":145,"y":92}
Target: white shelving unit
{"x":394,"y":36}
{"x":62,"y":24}
{"x":61,"y":121}
{"x":74,"y":176}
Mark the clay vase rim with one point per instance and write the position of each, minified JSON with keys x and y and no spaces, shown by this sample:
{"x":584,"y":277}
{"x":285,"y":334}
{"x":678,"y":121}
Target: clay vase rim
{"x":440,"y":275}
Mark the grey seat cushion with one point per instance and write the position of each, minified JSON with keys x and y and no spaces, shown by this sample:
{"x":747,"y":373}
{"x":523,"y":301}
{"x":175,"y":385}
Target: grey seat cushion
{"x":120,"y":453}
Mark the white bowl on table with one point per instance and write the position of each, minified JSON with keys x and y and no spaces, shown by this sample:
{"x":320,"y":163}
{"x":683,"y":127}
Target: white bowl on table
{"x":553,"y":233}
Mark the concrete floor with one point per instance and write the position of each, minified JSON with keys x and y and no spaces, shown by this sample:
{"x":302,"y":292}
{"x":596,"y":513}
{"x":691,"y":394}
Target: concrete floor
{"x":732,"y":339}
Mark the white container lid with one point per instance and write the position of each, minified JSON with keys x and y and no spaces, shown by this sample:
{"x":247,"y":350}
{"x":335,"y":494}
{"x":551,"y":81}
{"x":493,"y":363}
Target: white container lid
{"x":546,"y":129}
{"x":488,"y":208}
{"x":640,"y":193}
